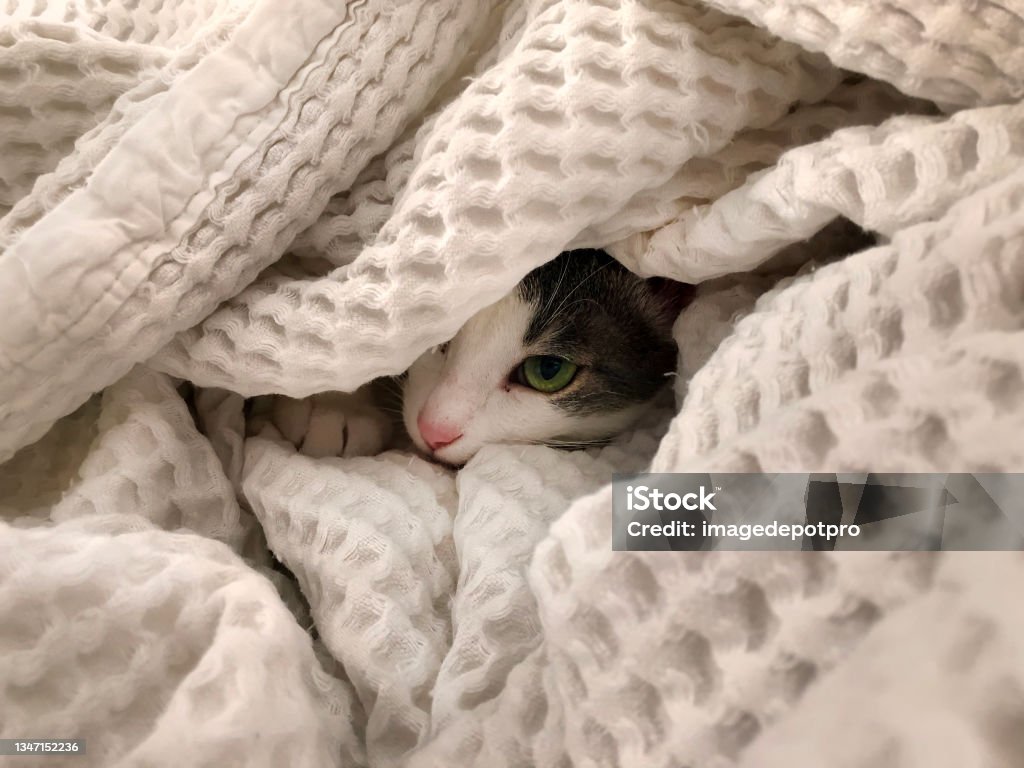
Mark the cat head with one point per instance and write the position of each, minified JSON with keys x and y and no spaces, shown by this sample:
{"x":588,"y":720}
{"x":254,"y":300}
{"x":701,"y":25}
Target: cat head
{"x":569,"y":358}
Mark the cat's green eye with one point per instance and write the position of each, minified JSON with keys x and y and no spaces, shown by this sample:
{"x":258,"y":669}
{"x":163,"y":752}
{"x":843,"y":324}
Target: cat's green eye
{"x":547,"y":373}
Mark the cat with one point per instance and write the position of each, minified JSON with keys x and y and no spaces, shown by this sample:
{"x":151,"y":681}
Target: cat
{"x":569,"y":359}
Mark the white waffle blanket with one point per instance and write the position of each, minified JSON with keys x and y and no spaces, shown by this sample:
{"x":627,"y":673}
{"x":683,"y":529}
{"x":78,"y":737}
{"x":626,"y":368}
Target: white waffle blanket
{"x":262,"y":196}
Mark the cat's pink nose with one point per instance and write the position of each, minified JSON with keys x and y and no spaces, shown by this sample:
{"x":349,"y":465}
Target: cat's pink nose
{"x":435,"y":434}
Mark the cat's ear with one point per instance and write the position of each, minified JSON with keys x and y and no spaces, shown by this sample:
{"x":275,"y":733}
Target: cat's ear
{"x":671,"y":297}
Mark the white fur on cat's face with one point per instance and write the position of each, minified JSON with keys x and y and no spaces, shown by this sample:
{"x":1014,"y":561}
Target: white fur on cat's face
{"x":468,"y":389}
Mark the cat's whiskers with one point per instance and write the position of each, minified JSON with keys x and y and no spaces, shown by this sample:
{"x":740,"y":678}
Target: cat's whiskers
{"x":392,"y":383}
{"x":579,"y":285}
{"x":555,"y":443}
{"x":554,"y":293}
{"x":577,"y":302}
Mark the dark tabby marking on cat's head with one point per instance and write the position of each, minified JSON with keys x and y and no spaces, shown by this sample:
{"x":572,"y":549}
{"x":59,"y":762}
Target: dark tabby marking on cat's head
{"x":569,"y":358}
{"x":614,"y":325}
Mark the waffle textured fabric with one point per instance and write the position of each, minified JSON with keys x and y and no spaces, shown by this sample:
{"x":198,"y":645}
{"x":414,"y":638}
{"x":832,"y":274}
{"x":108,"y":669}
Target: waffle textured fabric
{"x":204,"y":200}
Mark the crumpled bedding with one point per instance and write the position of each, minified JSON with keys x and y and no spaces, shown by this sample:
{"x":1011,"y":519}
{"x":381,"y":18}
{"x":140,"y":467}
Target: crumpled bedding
{"x":205,"y":200}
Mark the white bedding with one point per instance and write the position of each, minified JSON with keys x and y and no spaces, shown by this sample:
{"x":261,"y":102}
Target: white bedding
{"x":258,"y":197}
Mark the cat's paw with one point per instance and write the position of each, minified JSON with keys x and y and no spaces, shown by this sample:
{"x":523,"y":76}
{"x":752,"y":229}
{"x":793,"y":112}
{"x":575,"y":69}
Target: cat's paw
{"x":332,"y":424}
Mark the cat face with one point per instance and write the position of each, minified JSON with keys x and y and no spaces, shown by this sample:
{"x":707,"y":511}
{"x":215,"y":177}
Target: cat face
{"x":569,"y":358}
